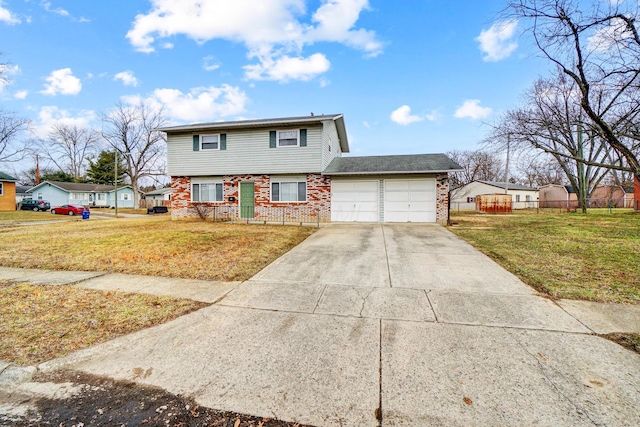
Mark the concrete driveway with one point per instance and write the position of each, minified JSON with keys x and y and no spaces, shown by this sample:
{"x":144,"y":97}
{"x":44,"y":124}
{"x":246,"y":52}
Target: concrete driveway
{"x":392,"y":325}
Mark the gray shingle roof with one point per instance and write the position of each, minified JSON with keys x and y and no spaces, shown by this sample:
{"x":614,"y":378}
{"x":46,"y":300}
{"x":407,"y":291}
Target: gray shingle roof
{"x":401,"y":164}
{"x":266,"y":123}
{"x":503,"y":185}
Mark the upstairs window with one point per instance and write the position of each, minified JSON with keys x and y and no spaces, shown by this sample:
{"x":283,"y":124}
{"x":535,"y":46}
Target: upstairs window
{"x":288,"y":138}
{"x":1,"y":189}
{"x":209,"y":142}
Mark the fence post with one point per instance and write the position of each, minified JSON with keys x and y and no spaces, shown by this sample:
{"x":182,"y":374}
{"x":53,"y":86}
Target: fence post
{"x":214,"y":213}
{"x":318,"y":215}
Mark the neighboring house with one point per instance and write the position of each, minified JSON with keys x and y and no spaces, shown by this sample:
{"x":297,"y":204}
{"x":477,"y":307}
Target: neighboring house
{"x":636,"y":193}
{"x":258,"y":168}
{"x":464,"y":197}
{"x":73,"y":193}
{"x":160,"y":197}
{"x":558,"y":196}
{"x":21,"y":193}
{"x":613,"y":196}
{"x":7,"y":192}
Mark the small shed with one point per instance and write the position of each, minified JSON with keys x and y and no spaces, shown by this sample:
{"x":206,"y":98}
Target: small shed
{"x":494,"y":203}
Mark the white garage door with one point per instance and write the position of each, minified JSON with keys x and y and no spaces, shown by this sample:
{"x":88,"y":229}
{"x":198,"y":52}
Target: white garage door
{"x":354,"y":201}
{"x":410,"y":200}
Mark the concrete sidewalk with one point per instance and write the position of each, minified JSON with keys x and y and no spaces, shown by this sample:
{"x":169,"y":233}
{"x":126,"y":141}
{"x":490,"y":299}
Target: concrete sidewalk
{"x":368,"y":325}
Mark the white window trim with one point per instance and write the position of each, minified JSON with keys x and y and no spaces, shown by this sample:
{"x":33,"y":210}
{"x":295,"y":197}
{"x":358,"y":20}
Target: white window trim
{"x":199,"y":183}
{"x":306,"y":193}
{"x":297,"y":131}
{"x":202,"y":136}
{"x":123,"y":195}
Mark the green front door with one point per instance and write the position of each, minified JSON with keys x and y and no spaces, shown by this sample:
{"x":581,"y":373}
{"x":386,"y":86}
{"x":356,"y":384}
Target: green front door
{"x":247,"y":192}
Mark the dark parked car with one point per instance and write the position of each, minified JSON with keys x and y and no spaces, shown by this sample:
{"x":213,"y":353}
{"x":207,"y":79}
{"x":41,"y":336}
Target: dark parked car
{"x":34,"y":205}
{"x":67,"y":210}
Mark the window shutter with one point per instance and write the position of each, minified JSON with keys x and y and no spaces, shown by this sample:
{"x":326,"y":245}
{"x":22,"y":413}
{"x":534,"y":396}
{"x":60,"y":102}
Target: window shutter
{"x":196,"y":142}
{"x":303,"y":137}
{"x":223,"y":141}
{"x":272,"y":139}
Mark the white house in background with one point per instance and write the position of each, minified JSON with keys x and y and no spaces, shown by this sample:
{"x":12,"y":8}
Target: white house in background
{"x":73,"y":193}
{"x":463,"y":198}
{"x":160,"y":197}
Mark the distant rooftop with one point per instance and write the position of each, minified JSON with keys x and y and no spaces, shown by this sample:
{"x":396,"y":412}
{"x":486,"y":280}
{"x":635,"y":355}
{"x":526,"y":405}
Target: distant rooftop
{"x":402,"y":164}
{"x":503,"y":185}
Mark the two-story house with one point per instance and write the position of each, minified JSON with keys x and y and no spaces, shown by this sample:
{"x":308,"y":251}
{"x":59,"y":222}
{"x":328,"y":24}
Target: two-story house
{"x":296,"y":164}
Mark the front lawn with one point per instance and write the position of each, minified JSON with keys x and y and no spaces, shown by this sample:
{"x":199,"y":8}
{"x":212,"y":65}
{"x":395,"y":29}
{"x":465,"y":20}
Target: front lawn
{"x":39,"y":323}
{"x":12,"y":217}
{"x":593,"y":257}
{"x":153,"y":246}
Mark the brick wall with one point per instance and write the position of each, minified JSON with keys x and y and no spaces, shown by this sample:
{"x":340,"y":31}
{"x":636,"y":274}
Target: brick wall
{"x":442,"y":198}
{"x":318,"y":199}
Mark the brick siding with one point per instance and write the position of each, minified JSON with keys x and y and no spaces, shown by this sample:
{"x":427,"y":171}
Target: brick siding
{"x":442,"y":199}
{"x":318,"y":198}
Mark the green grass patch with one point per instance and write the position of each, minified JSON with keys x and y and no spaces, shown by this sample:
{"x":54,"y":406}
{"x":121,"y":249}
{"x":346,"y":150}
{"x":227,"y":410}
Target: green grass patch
{"x":151,"y":246}
{"x":39,"y":323}
{"x":593,"y":257}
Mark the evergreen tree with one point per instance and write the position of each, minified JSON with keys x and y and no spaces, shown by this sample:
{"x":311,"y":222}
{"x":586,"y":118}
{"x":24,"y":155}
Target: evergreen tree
{"x":102,"y":171}
{"x":59,"y":176}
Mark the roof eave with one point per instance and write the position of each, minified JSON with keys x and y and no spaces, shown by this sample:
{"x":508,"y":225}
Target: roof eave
{"x":423,"y":172}
{"x":342,"y":133}
{"x":249,"y":123}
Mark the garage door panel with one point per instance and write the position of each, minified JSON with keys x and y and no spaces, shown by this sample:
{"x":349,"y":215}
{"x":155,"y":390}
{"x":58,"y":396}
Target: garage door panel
{"x":354,"y":201}
{"x":409,"y":200}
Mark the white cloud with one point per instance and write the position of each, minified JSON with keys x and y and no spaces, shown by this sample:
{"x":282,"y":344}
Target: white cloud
{"x":200,"y":104}
{"x":605,"y":38}
{"x":21,"y":94}
{"x":62,"y":82}
{"x":58,"y":11}
{"x":7,"y":16}
{"x":287,"y":68}
{"x":272,"y":30}
{"x":471,"y":108}
{"x":127,"y":78}
{"x":496,"y":42}
{"x":403,"y":116}
{"x":209,"y":64}
{"x":7,"y":70}
{"x":167,"y":45}
{"x":51,"y":114}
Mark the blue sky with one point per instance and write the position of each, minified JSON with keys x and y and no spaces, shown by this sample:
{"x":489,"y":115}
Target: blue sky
{"x":417,"y":76}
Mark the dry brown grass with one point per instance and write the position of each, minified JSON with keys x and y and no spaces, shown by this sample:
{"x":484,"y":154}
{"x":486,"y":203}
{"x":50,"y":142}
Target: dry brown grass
{"x":593,"y":257}
{"x":151,"y":246}
{"x":39,"y":323}
{"x":12,"y":217}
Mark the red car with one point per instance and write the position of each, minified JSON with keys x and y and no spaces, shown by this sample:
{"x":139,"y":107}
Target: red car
{"x":67,"y":210}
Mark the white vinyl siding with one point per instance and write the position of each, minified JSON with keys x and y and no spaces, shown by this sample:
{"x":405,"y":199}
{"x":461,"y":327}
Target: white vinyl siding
{"x":330,"y":143}
{"x":247,"y":152}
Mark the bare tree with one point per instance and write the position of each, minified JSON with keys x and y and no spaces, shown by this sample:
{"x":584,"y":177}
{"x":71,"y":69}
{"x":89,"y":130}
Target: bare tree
{"x":69,"y":148}
{"x":477,"y":165}
{"x":11,"y":127}
{"x":131,"y":130}
{"x":596,"y":45}
{"x":536,"y":170}
{"x":551,"y":121}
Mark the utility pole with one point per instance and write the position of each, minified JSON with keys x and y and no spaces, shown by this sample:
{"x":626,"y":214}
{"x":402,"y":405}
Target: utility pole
{"x":506,"y":172}
{"x":115,"y":183}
